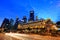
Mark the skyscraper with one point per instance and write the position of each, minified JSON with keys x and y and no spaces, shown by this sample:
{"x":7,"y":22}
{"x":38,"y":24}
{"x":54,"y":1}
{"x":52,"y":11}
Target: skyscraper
{"x":5,"y":23}
{"x":25,"y":19}
{"x":11,"y":24}
{"x":31,"y":15}
{"x":16,"y":24}
{"x":36,"y":18}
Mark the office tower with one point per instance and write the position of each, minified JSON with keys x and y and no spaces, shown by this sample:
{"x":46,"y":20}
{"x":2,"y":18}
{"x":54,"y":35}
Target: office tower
{"x":31,"y":15}
{"x":16,"y":24}
{"x":36,"y":18}
{"x":5,"y":23}
{"x":11,"y":24}
{"x":25,"y":19}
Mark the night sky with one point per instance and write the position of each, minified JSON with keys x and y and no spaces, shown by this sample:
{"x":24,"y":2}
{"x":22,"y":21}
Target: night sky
{"x":43,"y":9}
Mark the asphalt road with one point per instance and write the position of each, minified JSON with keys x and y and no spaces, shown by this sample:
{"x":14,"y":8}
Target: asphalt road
{"x":18,"y":36}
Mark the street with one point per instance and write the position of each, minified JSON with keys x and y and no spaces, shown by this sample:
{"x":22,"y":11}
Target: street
{"x":19,"y":36}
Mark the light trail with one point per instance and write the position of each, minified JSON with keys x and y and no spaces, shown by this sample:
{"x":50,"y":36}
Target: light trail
{"x":12,"y":35}
{"x":15,"y":34}
{"x":18,"y":36}
{"x":26,"y":36}
{"x":22,"y":36}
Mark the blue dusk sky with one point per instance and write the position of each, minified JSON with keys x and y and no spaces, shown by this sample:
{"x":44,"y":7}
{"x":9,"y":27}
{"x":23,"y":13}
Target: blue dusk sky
{"x":43,"y":9}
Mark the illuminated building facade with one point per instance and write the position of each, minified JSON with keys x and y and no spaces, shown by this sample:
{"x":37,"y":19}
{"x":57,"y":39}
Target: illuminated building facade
{"x":35,"y":24}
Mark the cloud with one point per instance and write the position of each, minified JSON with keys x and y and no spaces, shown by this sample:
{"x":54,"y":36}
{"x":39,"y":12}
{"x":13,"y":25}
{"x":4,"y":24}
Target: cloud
{"x":58,"y":4}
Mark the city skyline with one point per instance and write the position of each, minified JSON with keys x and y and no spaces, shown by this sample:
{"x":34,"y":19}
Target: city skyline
{"x":42,"y":8}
